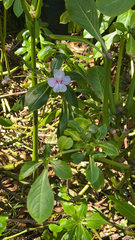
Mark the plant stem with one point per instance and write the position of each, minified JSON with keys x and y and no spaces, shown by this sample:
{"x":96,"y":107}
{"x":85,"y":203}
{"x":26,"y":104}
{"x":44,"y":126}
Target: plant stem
{"x":106,"y":91}
{"x":116,"y":164}
{"x":116,"y":96}
{"x":131,"y":93}
{"x":124,"y":179}
{"x":131,"y":190}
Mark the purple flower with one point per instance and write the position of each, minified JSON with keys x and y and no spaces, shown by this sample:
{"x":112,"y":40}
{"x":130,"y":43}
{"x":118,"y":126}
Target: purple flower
{"x":59,"y":81}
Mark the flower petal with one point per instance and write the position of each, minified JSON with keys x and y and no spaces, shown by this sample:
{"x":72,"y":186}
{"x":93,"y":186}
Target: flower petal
{"x":59,"y":87}
{"x":52,"y":82}
{"x":66,"y":80}
{"x":59,"y":74}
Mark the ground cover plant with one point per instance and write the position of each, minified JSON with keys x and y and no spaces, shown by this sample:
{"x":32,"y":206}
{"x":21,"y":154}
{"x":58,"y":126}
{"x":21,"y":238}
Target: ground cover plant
{"x":75,"y":123}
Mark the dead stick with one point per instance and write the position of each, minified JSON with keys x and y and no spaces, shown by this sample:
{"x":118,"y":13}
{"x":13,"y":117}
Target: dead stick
{"x":12,"y":94}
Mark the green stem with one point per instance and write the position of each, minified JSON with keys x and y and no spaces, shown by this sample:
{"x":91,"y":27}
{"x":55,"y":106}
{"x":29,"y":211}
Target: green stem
{"x":106,"y":91}
{"x":116,"y":164}
{"x":111,"y":99}
{"x":132,"y":67}
{"x":116,"y":96}
{"x":23,"y":4}
{"x":131,"y":93}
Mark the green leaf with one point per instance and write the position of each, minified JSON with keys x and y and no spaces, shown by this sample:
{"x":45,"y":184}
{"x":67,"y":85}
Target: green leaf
{"x":50,"y":117}
{"x":64,"y":143}
{"x":102,"y":132}
{"x":83,"y":123}
{"x":40,"y":199}
{"x":56,"y":63}
{"x":96,"y":78}
{"x":92,"y":172}
{"x":78,"y":231}
{"x":132,"y":21}
{"x":74,"y":134}
{"x":7,"y":3}
{"x":125,"y":18}
{"x":75,"y":76}
{"x":130,"y":45}
{"x":5,"y":122}
{"x":44,"y":52}
{"x":92,"y":128}
{"x":110,"y":148}
{"x":124,"y":208}
{"x":37,"y":96}
{"x":120,"y":26}
{"x":82,"y":210}
{"x":55,"y":228}
{"x":3,"y":223}
{"x":75,"y":126}
{"x":85,"y":234}
{"x":28,"y":168}
{"x":114,"y":7}
{"x":70,"y":97}
{"x":95,"y":221}
{"x":61,"y":169}
{"x":20,"y":104}
{"x":84,"y":14}
{"x":69,"y":208}
{"x":64,"y":18}
{"x":17,"y":8}
{"x":99,"y":182}
{"x":69,"y":235}
{"x":78,"y":157}
{"x":68,"y":224}
{"x":21,"y":50}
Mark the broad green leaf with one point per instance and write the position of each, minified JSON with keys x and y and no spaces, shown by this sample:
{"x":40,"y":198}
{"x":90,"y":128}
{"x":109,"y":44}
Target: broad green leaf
{"x":68,"y":224}
{"x":7,"y":3}
{"x":75,"y":126}
{"x":72,"y":133}
{"x":132,"y":21}
{"x":96,"y":78}
{"x":3,"y":223}
{"x":110,"y":148}
{"x":95,"y":221}
{"x":78,"y":231}
{"x":84,"y":14}
{"x":124,"y":208}
{"x":130,"y":45}
{"x":78,"y":157}
{"x":85,"y":234}
{"x":28,"y":168}
{"x":64,"y":50}
{"x":69,"y":208}
{"x":92,"y":172}
{"x":21,"y":50}
{"x":90,"y":92}
{"x":102,"y":132}
{"x":55,"y":228}
{"x":92,"y":128}
{"x":69,"y":235}
{"x":83,"y":123}
{"x":125,"y":18}
{"x":82,"y":210}
{"x":120,"y":26}
{"x":99,"y":182}
{"x":5,"y":122}
{"x":44,"y":52}
{"x":37,"y":96}
{"x":71,"y":97}
{"x":56,"y":63}
{"x":114,"y":7}
{"x":61,"y":169}
{"x":40,"y":199}
{"x":109,"y":39}
{"x":64,"y":143}
{"x":64,"y":18}
{"x":17,"y":8}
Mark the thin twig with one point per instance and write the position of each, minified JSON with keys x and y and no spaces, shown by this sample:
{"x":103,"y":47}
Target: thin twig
{"x":12,"y":94}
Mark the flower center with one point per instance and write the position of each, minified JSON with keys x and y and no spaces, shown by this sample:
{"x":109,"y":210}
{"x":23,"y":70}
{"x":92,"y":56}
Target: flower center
{"x":59,"y":80}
